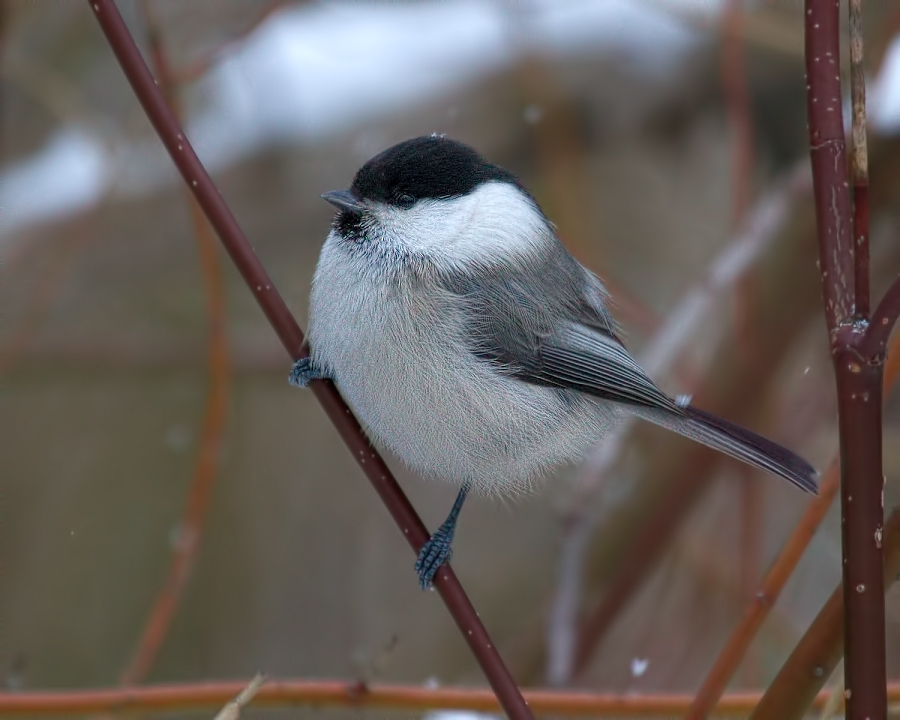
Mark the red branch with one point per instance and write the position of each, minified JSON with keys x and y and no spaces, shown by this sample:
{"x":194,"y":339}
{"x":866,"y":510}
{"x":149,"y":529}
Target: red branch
{"x":827,"y":152}
{"x":858,"y":374}
{"x":291,"y":336}
{"x":883,"y":321}
{"x":340,"y":693}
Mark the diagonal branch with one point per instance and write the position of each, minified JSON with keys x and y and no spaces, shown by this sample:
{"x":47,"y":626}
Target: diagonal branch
{"x":883,"y":321}
{"x":291,"y":336}
{"x":776,"y":578}
{"x":819,"y":651}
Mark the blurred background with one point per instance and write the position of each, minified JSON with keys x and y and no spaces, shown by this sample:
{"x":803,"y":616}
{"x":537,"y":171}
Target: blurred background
{"x":174,"y":511}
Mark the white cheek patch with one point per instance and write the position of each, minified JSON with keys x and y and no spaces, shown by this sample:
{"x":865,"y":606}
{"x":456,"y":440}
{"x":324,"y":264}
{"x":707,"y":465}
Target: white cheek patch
{"x":494,"y":221}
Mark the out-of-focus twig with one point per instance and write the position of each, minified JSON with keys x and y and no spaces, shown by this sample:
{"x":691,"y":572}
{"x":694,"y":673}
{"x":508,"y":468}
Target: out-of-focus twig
{"x":657,"y":358}
{"x":772,"y":585}
{"x":834,"y":704}
{"x":774,"y":582}
{"x":737,"y":104}
{"x":206,"y":468}
{"x":199,"y":67}
{"x":291,"y":336}
{"x":740,"y":122}
{"x":809,"y":666}
{"x":344,"y":694}
{"x":859,"y":162}
{"x":232,"y":709}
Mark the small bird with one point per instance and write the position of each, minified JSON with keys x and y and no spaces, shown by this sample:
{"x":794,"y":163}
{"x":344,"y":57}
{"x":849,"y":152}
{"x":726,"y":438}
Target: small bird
{"x":470,"y":342}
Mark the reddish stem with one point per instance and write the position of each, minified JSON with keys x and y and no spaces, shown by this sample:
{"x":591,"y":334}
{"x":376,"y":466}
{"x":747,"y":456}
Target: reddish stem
{"x":883,"y":321}
{"x":215,"y":415}
{"x":291,"y":336}
{"x":858,"y":375}
{"x":829,"y":158}
{"x":294,"y":694}
{"x":859,"y":165}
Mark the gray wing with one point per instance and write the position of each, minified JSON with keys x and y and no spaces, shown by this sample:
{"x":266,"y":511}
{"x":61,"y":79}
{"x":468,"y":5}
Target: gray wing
{"x":547,"y":324}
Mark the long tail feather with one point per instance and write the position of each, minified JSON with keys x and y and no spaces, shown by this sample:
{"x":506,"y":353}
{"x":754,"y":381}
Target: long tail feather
{"x":737,"y":442}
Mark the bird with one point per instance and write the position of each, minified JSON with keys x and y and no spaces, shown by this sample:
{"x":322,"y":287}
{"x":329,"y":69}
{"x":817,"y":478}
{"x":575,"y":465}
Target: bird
{"x":471,"y":343}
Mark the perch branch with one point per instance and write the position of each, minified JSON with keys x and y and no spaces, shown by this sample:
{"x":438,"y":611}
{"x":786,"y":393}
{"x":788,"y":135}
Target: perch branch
{"x":291,"y":336}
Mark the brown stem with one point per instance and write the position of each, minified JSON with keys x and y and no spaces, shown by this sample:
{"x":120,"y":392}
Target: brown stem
{"x":206,"y":468}
{"x":737,"y":103}
{"x":291,"y":336}
{"x":781,"y":300}
{"x":294,"y":694}
{"x":736,"y":647}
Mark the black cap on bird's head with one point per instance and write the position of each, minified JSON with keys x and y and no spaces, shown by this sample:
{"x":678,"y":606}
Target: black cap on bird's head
{"x":422,"y":168}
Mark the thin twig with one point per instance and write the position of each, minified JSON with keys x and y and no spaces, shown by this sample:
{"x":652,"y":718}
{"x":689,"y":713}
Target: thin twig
{"x":740,"y":121}
{"x":859,"y":163}
{"x":883,"y":321}
{"x":835,"y":702}
{"x":811,"y":663}
{"x":291,"y":336}
{"x":758,"y":238}
{"x":737,"y":104}
{"x":232,"y":710}
{"x":343,"y":694}
{"x":206,"y":468}
{"x":770,"y":589}
{"x":815,"y":657}
{"x":199,"y":67}
{"x":736,"y":647}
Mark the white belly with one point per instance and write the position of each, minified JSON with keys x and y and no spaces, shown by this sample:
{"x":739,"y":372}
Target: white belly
{"x":398,"y":358}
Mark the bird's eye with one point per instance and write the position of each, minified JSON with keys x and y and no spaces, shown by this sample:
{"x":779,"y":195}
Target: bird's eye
{"x":405,"y":200}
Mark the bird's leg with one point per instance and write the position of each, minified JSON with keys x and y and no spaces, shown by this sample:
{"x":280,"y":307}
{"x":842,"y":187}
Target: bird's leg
{"x":304,"y":371}
{"x":437,"y":550}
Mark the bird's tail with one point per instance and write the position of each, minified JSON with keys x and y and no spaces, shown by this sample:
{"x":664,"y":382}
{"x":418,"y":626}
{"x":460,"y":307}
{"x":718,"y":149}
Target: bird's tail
{"x":737,"y":442}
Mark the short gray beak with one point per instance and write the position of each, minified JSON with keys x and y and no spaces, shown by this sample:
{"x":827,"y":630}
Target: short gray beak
{"x":344,"y":200}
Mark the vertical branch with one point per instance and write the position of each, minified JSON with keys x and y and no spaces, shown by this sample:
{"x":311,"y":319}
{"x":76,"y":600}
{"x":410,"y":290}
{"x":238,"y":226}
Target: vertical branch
{"x":859,"y":164}
{"x":827,"y":153}
{"x":206,"y":468}
{"x":740,"y":121}
{"x":737,"y":104}
{"x":858,"y":374}
{"x":291,"y":336}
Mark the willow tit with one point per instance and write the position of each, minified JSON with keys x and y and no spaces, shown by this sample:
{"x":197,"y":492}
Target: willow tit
{"x":470,"y":342}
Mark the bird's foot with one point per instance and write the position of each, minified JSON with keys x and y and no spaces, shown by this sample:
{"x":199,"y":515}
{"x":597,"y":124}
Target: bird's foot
{"x":304,"y":372}
{"x":435,"y":553}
